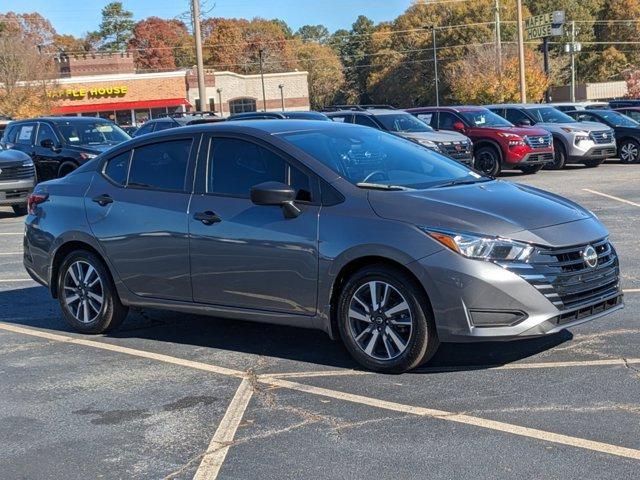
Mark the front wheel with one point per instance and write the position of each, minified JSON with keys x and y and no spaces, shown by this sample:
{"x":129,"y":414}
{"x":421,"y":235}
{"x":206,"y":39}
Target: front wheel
{"x":487,"y":160}
{"x":559,"y":157}
{"x":529,"y":169}
{"x":86,"y":293}
{"x":629,"y":151}
{"x":385,"y":321}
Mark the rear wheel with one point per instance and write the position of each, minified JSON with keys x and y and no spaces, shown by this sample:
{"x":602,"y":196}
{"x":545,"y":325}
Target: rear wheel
{"x":529,"y":169}
{"x":19,"y":210}
{"x":559,"y":157}
{"x":385,"y":321}
{"x":593,"y":163}
{"x":86,"y":293}
{"x":487,"y":160}
{"x":629,"y":151}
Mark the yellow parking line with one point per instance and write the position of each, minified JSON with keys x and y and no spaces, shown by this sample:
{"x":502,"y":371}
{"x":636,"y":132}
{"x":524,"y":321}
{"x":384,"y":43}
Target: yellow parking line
{"x":225,"y":433}
{"x":611,"y":197}
{"x":459,"y":418}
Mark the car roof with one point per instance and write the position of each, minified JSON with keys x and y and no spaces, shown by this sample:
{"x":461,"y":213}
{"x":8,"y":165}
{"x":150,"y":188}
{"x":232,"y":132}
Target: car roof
{"x":54,"y":119}
{"x":369,"y":111}
{"x":520,"y":105}
{"x":449,"y":108}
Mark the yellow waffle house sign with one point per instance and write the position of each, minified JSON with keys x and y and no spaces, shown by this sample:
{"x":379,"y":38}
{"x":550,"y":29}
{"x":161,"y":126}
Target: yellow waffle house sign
{"x":93,"y":92}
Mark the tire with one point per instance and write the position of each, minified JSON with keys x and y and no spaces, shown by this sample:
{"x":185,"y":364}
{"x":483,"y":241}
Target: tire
{"x":593,"y":163}
{"x":399,"y":343}
{"x":559,"y":157}
{"x":488,"y":161}
{"x":530,"y":169}
{"x":66,"y":169}
{"x":19,"y":210}
{"x":100,"y":317}
{"x":629,"y":150}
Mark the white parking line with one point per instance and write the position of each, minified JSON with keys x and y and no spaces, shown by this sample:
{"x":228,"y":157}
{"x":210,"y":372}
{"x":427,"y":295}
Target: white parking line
{"x":611,"y":197}
{"x":7,"y":254}
{"x":225,"y":433}
{"x":459,"y":418}
{"x":338,"y":395}
{"x":16,"y":280}
{"x":631,"y":290}
{"x":11,"y":233}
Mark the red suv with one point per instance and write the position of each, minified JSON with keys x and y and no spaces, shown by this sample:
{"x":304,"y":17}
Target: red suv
{"x":497,"y":143}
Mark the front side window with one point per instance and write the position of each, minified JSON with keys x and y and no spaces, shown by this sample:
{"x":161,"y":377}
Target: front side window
{"x":516,"y":116}
{"x":364,"y":121}
{"x":372,"y":158}
{"x":404,"y":123}
{"x":485,"y":118}
{"x":447,"y":120}
{"x":161,"y":166}
{"x":90,"y":132}
{"x":45,"y":132}
{"x":550,"y":115}
{"x":237,"y":165}
{"x":117,"y":168}
{"x":241,"y":105}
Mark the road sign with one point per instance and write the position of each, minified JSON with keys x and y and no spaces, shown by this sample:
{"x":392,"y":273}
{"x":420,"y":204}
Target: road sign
{"x":545,"y":25}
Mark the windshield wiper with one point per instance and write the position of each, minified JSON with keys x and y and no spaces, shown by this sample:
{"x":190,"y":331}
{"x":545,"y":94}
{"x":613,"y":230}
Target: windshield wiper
{"x":454,"y":183}
{"x":380,"y":186}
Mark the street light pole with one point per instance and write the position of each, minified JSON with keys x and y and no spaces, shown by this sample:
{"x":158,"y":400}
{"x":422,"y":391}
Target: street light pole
{"x":202,"y":88}
{"x":264,"y":95}
{"x":219,"y":90}
{"x":435,"y":64}
{"x":521,"y":67}
{"x":573,"y":61}
{"x":498,"y":37}
{"x":281,"y":87}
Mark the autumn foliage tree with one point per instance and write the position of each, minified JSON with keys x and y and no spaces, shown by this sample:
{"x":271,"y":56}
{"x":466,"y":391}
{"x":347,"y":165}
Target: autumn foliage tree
{"x":324,"y":69}
{"x":160,"y":44}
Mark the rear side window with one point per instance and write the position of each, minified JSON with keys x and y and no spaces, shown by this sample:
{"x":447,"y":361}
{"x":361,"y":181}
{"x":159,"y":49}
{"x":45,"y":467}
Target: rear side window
{"x":341,"y":118}
{"x":160,"y":166}
{"x":25,"y":134}
{"x":164,"y":125}
{"x":425,"y":117}
{"x":365,"y":121}
{"x":10,"y":134}
{"x":117,"y":168}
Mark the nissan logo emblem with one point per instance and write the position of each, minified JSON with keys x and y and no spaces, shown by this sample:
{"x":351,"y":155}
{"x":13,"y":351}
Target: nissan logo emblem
{"x":604,"y":135}
{"x":590,"y":257}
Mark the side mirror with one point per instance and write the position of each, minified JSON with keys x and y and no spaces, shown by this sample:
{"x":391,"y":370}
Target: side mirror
{"x":276,"y":193}
{"x":459,"y":127}
{"x":525,"y":122}
{"x":48,"y":143}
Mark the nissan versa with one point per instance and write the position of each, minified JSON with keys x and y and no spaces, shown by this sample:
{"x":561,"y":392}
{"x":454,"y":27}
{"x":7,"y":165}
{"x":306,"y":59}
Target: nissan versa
{"x":370,"y":237}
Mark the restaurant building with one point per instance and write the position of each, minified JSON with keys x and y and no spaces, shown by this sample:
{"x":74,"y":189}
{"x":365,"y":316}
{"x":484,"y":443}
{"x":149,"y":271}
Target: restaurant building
{"x":109,"y":87}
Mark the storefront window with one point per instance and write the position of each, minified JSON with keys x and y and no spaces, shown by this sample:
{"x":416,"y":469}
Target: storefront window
{"x":142,"y":116}
{"x":123,"y":117}
{"x":108,"y":115}
{"x":89,"y":114}
{"x":241,"y":105}
{"x":158,"y":112}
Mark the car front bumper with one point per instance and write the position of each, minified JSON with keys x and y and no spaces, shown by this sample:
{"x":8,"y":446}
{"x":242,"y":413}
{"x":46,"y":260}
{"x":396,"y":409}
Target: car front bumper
{"x":15,"y":192}
{"x":591,"y":151}
{"x":481,"y":301}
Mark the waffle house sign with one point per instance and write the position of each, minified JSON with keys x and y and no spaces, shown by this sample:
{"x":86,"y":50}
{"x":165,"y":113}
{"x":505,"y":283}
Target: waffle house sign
{"x":93,"y":92}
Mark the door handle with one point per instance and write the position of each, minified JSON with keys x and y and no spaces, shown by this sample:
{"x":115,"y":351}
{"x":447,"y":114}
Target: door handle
{"x":208,"y":217}
{"x":102,"y":200}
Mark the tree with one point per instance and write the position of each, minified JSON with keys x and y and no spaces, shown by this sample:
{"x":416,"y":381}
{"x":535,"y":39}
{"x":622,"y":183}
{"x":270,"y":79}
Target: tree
{"x":325,"y":72}
{"x":160,"y":44}
{"x":313,"y":33}
{"x":27,"y":72}
{"x":116,"y":27}
{"x":354,"y":49}
{"x":475,"y":80}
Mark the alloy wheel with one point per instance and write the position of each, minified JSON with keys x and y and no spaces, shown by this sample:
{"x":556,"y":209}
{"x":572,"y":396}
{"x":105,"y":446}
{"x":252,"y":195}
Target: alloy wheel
{"x":486,"y":162}
{"x":629,"y":153}
{"x":83,"y":291}
{"x":380,"y":320}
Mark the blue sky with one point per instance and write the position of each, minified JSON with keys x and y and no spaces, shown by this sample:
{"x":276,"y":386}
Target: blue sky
{"x":77,"y":17}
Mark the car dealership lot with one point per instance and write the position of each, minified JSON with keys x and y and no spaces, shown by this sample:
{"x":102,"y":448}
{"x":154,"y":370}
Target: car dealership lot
{"x":170,"y":395}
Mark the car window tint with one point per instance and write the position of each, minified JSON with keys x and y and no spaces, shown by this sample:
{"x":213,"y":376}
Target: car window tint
{"x":425,"y":117}
{"x":10,"y":134}
{"x":146,"y":128}
{"x":117,"y":168}
{"x":161,"y":166}
{"x":339,"y":118}
{"x":515,"y":115}
{"x":301,"y":183}
{"x":45,"y":132}
{"x":163,"y":126}
{"x":364,"y":120}
{"x":237,"y":165}
{"x":25,"y":134}
{"x":447,"y":120}
{"x":633,"y":114}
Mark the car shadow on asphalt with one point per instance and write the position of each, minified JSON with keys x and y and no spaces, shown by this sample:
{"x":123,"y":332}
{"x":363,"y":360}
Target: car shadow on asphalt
{"x":33,"y":307}
{"x":9,"y":214}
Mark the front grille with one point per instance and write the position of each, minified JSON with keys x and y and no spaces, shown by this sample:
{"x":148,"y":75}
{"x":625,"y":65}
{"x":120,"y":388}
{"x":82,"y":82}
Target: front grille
{"x":457,"y":150}
{"x":16,"y":173}
{"x":538,"y":158}
{"x":538,"y":141}
{"x":588,"y":311}
{"x":602,"y":137}
{"x":604,"y":152}
{"x":562,"y":275}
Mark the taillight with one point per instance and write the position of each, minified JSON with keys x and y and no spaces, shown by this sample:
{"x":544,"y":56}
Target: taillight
{"x":34,"y":200}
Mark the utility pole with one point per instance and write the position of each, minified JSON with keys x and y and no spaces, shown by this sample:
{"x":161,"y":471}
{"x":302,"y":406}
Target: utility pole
{"x":202,"y":88}
{"x":435,"y":64}
{"x":219,"y":90}
{"x":264,"y":95}
{"x":573,"y":61}
{"x":498,"y":37}
{"x":521,"y":67}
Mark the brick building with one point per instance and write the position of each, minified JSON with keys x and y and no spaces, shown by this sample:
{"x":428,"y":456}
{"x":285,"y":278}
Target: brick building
{"x":108,"y":86}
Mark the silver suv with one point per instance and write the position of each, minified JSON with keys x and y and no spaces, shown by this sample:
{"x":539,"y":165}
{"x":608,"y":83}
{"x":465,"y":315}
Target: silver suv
{"x":573,"y":142}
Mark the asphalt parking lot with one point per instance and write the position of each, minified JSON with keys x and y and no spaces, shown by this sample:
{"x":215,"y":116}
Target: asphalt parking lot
{"x":177,"y":396}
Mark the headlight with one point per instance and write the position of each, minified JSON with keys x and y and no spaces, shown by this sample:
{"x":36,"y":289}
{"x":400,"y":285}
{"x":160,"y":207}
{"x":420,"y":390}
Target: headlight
{"x":574,"y":130}
{"x":581,"y":137}
{"x":482,"y":248}
{"x":514,"y":140}
{"x":428,"y":144}
{"x":27,"y":163}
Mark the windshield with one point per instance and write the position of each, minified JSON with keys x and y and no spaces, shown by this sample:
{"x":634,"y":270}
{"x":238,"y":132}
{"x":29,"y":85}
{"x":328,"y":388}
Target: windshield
{"x":92,"y":133}
{"x":403,"y":122}
{"x":550,"y":115}
{"x":485,"y":118}
{"x":366,"y":156}
{"x":618,"y":120}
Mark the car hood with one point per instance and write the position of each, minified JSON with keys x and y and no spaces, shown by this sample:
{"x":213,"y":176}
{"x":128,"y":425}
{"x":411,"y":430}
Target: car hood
{"x":584,"y":126}
{"x":495,"y":208}
{"x":12,"y":158}
{"x":531,"y":131}
{"x":435,"y":136}
{"x":97,"y":149}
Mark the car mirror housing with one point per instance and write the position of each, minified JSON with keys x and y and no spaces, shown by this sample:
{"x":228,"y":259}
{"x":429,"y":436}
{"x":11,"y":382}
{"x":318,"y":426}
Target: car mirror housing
{"x":525,"y":122}
{"x":276,"y":193}
{"x":459,"y":127}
